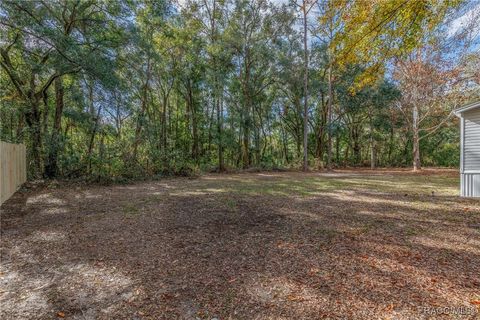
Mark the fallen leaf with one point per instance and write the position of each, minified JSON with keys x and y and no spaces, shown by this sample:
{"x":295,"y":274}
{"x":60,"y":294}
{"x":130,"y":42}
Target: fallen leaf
{"x":390,"y":307}
{"x":61,"y":314}
{"x":292,"y":297}
{"x":475,"y":302}
{"x":168,"y":296}
{"x":313,"y":271}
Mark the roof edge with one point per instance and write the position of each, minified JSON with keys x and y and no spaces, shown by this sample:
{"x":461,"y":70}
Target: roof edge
{"x":466,"y":107}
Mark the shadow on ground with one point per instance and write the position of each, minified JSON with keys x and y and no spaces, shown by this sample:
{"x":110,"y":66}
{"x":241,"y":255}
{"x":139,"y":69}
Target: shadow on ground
{"x":257,"y":246}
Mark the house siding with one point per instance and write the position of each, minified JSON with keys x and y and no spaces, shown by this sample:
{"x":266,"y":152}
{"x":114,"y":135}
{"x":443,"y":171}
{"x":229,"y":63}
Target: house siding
{"x":470,"y":185}
{"x":470,"y":157}
{"x":471,"y":141}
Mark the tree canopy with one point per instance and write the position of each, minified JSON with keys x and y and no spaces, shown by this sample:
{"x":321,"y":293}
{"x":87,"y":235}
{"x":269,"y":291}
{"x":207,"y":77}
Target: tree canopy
{"x":127,"y":89}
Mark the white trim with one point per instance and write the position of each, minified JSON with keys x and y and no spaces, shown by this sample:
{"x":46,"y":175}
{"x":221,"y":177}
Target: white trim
{"x":462,"y":144}
{"x":467,"y":107}
{"x":471,"y":172}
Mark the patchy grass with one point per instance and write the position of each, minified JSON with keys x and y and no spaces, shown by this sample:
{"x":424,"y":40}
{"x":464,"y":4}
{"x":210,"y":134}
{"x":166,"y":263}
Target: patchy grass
{"x":312,"y":184}
{"x":130,"y":209}
{"x":348,"y":244}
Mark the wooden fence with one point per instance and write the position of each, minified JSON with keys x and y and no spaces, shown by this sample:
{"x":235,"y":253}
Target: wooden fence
{"x":13,"y":169}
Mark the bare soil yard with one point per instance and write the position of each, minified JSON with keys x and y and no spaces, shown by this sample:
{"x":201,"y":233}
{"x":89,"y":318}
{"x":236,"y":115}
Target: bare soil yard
{"x":349,"y":244}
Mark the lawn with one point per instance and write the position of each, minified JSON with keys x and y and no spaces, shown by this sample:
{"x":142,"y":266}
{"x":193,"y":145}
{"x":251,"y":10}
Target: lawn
{"x":272,"y":245}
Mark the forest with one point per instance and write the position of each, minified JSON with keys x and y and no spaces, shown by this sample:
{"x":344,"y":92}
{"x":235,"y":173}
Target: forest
{"x":110,"y":90}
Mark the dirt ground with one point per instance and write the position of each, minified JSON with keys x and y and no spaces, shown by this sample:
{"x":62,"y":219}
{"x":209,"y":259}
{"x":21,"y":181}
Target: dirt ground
{"x":346,"y":245}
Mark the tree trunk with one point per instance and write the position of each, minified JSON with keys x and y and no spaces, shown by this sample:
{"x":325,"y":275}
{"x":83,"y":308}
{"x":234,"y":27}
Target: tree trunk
{"x":329,"y":116}
{"x":164,"y":126}
{"x":337,"y":148}
{"x":221,"y":164}
{"x":357,"y":153}
{"x":94,"y":129}
{"x":191,"y":102}
{"x":211,"y":116}
{"x":372,"y":152}
{"x":372,"y":140}
{"x":346,"y":155}
{"x":246,"y":141}
{"x":284,"y":142}
{"x":51,"y":168}
{"x":20,"y":127}
{"x":356,"y":146}
{"x":391,"y":136}
{"x":218,"y":105}
{"x":195,"y":145}
{"x":45,"y":115}
{"x":322,"y":121}
{"x":416,"y":141}
{"x":246,"y":119}
{"x":32,"y":118}
{"x":305,"y":88}
{"x":138,"y":129}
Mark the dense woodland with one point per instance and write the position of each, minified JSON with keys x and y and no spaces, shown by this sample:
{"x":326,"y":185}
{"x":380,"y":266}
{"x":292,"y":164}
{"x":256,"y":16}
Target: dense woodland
{"x":134,"y":88}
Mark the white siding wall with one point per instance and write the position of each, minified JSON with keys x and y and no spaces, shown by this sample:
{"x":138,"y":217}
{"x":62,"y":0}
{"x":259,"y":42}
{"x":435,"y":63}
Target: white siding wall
{"x":470,"y":185}
{"x":471,"y":147}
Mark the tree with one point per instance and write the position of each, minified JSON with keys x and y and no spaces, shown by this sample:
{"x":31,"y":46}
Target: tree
{"x":41,"y":48}
{"x":426,"y":81}
{"x":305,"y":7}
{"x":329,"y":26}
{"x":131,"y":89}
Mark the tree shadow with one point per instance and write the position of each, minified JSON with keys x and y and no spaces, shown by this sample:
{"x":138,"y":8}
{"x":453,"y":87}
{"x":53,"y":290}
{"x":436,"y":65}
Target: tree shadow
{"x":216,"y":252}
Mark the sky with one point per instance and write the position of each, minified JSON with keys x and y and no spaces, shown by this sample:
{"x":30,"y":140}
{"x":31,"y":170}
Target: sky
{"x":465,"y":19}
{"x":472,"y":12}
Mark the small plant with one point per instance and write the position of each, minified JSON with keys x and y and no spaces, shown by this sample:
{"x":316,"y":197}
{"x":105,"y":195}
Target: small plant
{"x":130,"y":209}
{"x":231,"y":204}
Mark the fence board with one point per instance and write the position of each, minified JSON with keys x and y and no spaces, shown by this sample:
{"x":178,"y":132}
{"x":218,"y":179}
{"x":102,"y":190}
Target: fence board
{"x":13,"y":168}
